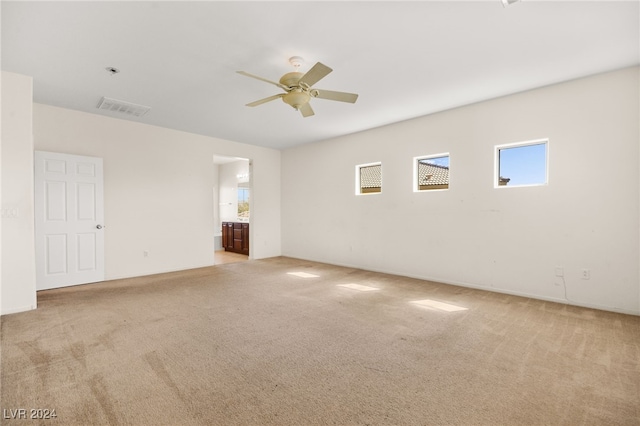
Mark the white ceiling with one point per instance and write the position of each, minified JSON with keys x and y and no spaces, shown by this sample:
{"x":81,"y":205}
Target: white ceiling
{"x":404,"y":59}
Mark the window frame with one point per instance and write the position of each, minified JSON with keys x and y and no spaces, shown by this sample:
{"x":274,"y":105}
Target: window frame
{"x":496,"y":156}
{"x":357,"y":173}
{"x":416,"y":171}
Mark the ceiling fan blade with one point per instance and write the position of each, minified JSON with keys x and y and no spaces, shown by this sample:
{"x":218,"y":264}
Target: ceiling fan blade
{"x":282,"y":86}
{"x":306,"y":110}
{"x":265,"y":100}
{"x":336,"y":96}
{"x":315,"y":74}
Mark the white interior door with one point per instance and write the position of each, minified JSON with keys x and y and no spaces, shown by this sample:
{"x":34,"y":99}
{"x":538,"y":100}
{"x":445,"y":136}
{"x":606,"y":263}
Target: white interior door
{"x":69,"y":228}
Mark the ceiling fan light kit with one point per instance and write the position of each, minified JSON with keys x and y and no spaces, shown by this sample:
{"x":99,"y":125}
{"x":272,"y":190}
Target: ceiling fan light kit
{"x":298,"y":88}
{"x":296,"y":98}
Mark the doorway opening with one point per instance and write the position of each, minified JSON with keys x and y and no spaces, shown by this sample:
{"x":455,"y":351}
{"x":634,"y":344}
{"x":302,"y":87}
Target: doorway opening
{"x":232,"y":195}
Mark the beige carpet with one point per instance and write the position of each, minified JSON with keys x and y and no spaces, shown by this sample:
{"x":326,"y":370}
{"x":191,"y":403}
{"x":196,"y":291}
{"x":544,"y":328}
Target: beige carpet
{"x":248,"y":343}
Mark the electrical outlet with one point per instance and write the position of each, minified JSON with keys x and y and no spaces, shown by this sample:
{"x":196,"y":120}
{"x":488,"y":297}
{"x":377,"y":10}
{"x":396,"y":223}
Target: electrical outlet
{"x":559,"y":271}
{"x":145,"y":253}
{"x":586,"y":274}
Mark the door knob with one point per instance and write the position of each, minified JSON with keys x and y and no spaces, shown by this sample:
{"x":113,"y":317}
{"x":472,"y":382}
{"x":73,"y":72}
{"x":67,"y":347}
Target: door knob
{"x":99,"y":226}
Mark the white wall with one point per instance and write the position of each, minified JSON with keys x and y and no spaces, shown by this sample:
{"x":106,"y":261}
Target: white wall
{"x":18,"y":291}
{"x":216,"y":200}
{"x":159,"y":189}
{"x":509,"y":240}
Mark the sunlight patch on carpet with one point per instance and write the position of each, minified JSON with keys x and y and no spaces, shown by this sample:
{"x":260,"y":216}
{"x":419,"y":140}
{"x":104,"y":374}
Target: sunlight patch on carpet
{"x":303,"y":274}
{"x":358,"y":287}
{"x":428,"y":303}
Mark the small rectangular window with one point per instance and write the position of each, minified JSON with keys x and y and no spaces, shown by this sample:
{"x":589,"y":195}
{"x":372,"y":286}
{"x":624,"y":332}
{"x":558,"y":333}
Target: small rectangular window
{"x":522,"y":164}
{"x":431,"y":172}
{"x":369,"y":178}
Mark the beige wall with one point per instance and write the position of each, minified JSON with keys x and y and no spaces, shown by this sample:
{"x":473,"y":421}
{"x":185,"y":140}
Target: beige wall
{"x":507,"y":239}
{"x":159,"y":189}
{"x":18,"y":276}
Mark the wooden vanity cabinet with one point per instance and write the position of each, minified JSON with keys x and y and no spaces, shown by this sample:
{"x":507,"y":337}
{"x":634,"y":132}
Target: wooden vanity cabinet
{"x":235,"y":237}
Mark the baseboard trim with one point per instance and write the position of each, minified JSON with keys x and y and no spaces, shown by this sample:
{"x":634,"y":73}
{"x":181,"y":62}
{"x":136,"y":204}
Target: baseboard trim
{"x":479,"y":287}
{"x":165,"y":271}
{"x":17,"y":310}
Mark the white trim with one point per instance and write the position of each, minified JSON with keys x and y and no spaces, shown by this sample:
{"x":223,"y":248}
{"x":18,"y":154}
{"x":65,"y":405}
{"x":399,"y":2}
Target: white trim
{"x":496,"y":162}
{"x":357,"y":173}
{"x":149,"y":274}
{"x":416,"y":187}
{"x":18,"y":310}
{"x":535,"y":296}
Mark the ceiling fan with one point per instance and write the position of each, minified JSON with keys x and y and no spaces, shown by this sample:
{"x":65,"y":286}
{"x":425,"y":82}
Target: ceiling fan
{"x":298,"y":88}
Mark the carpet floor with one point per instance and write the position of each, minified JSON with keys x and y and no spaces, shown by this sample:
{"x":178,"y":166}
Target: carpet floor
{"x":250,"y":343}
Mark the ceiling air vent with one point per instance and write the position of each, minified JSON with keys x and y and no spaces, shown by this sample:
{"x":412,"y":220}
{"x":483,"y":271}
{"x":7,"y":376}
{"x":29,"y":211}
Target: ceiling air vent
{"x":122,"y":107}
